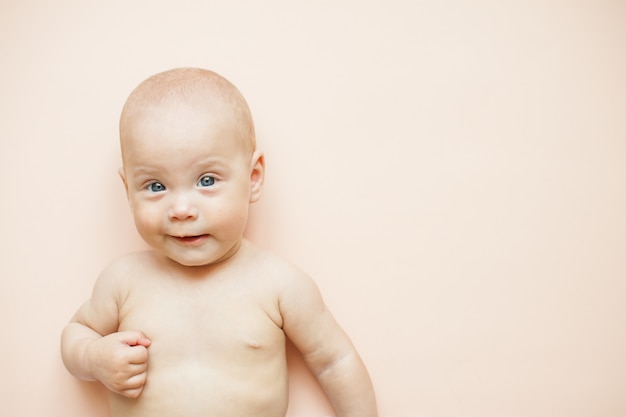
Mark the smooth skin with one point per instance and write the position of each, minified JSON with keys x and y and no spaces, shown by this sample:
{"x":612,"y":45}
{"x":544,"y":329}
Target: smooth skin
{"x":197,"y":326}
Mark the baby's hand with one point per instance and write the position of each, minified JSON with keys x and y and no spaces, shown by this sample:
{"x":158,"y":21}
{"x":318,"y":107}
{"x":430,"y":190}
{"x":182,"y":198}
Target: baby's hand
{"x":120,"y":361}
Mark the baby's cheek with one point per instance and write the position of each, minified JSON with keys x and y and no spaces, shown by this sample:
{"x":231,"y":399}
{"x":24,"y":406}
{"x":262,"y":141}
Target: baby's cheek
{"x":235,"y":219}
{"x":147,"y":222}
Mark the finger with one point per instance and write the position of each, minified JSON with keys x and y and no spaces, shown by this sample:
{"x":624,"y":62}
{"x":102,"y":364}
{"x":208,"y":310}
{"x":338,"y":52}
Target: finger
{"x":130,"y":386}
{"x":135,"y":338}
{"x":136,"y":369}
{"x":132,"y":393}
{"x":137,"y":354}
{"x":136,"y":381}
{"x":143,"y":340}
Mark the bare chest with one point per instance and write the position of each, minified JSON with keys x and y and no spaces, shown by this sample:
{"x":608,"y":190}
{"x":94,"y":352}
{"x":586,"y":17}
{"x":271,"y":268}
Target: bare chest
{"x":203,"y":321}
{"x":217,"y":346}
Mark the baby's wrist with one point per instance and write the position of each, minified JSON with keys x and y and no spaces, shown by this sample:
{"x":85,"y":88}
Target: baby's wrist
{"x":89,"y":359}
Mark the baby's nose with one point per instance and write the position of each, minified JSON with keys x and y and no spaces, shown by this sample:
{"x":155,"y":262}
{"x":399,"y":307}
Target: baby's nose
{"x":183,"y":209}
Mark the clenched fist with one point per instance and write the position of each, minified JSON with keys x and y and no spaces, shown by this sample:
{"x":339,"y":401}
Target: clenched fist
{"x":120,"y":362}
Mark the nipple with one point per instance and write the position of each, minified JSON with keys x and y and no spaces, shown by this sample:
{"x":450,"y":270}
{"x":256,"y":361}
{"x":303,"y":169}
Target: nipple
{"x":254,"y":344}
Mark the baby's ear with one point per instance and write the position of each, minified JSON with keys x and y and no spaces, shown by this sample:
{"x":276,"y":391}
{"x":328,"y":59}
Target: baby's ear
{"x":123,"y":177}
{"x":257,"y":176}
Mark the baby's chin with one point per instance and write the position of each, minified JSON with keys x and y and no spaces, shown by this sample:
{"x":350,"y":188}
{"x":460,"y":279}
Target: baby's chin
{"x":192,"y":262}
{"x":200,"y":261}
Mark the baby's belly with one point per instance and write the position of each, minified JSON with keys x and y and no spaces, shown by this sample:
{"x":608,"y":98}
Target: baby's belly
{"x":192,"y":388}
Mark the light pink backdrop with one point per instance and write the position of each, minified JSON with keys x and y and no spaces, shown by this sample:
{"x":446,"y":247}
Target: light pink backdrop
{"x":452,"y":173}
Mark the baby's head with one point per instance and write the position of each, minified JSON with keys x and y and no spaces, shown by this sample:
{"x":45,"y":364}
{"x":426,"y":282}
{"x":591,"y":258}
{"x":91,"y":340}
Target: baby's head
{"x":193,"y":87}
{"x":190,"y":164}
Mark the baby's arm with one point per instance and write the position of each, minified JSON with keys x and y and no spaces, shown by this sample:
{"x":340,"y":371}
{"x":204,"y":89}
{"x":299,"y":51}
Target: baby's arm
{"x":326,"y":349}
{"x":93,"y":349}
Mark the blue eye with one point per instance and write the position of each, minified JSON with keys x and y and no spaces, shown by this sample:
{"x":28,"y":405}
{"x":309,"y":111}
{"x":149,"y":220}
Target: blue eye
{"x":206,"y":181}
{"x":156,"y":187}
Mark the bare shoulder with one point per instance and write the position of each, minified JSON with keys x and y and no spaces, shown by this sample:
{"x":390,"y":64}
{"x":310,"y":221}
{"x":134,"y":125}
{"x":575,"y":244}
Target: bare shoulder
{"x":122,"y":269}
{"x":296,"y":291}
{"x":284,"y":274}
{"x":304,"y":316}
{"x":131,"y":262}
{"x":113,"y":283}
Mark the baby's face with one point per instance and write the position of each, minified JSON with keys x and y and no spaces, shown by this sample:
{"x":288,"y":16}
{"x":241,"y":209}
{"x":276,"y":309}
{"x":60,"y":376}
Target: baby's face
{"x":188,"y":177}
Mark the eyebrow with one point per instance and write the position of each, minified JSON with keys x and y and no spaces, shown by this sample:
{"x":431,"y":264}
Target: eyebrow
{"x":210,"y":161}
{"x":205,"y":163}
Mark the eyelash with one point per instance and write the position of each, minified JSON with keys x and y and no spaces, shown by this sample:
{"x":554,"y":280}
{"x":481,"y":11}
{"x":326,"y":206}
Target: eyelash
{"x":152,"y":185}
{"x":209,"y":177}
{"x":157,"y":187}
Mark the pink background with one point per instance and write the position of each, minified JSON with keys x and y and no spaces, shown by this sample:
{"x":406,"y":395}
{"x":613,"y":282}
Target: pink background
{"x":452,"y":173}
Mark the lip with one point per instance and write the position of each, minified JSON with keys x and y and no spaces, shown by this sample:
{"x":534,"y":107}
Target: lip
{"x":190,"y":240}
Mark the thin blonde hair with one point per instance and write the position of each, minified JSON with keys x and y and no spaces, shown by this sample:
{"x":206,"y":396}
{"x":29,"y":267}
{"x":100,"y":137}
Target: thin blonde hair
{"x":190,"y":86}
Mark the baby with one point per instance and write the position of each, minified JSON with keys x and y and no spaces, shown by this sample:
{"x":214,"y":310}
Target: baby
{"x":197,"y":326}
